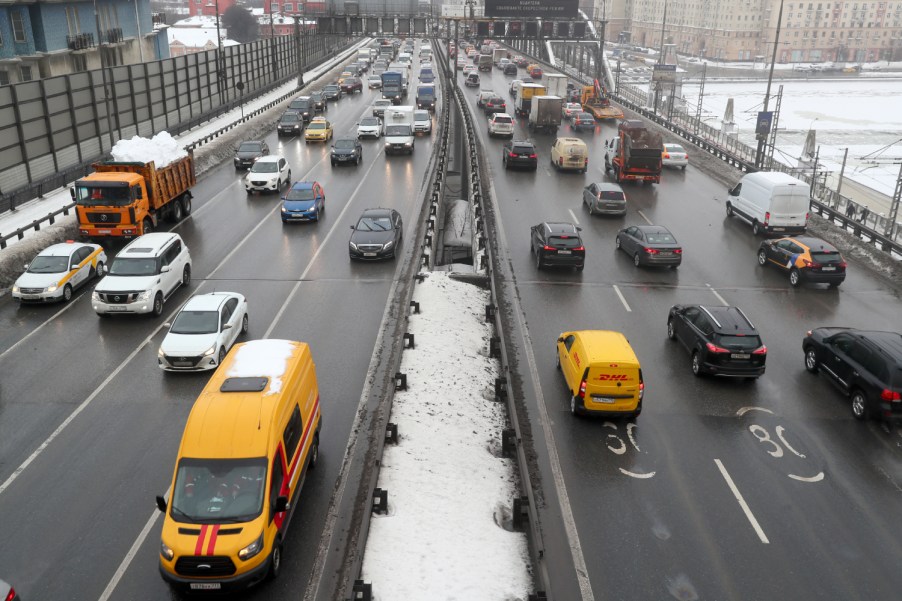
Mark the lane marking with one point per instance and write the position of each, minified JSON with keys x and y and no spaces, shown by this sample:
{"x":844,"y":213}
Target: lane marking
{"x":120,"y":571}
{"x":635,"y":475}
{"x":68,"y":306}
{"x":572,"y":214}
{"x":817,"y":478}
{"x":745,"y":410}
{"x":647,"y":220}
{"x":742,"y":503}
{"x":622,"y":300}
{"x":719,"y":297}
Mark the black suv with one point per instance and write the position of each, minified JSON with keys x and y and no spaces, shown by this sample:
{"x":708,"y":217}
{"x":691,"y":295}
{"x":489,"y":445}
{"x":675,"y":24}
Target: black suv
{"x":557,"y":245}
{"x":519,"y":153}
{"x":303,"y":106}
{"x":319,"y":102}
{"x":332,"y":92}
{"x":721,"y":340}
{"x":866,"y":365}
{"x":248,"y":152}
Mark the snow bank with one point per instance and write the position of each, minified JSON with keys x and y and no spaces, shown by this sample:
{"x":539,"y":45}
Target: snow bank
{"x":263,"y":359}
{"x":162,"y":149}
{"x":449,"y":491}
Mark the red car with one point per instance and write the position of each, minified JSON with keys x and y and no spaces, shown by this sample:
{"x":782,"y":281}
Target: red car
{"x":352,"y":84}
{"x":535,"y":72}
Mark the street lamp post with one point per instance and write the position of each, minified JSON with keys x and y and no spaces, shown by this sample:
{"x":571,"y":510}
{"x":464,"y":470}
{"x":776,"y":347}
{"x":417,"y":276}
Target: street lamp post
{"x":106,"y":91}
{"x":658,"y":85}
{"x":762,"y":135}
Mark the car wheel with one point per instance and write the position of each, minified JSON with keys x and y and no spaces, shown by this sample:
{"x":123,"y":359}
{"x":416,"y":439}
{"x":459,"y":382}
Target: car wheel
{"x":67,"y":293}
{"x":636,"y":259}
{"x":671,"y":333}
{"x":762,"y":258}
{"x":275,"y":560}
{"x":729,"y":209}
{"x":617,"y":242}
{"x":101,"y":270}
{"x":811,"y":360}
{"x":574,"y":405}
{"x":288,"y":180}
{"x":696,"y":364}
{"x":314,"y":453}
{"x":157,"y":305}
{"x":859,"y":405}
{"x":795,"y":277}
{"x":222,"y":354}
{"x":557,"y":361}
{"x":245,"y":324}
{"x":756,"y":229}
{"x":186,"y":276}
{"x":538,"y":260}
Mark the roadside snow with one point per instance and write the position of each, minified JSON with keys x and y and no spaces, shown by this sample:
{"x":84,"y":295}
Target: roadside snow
{"x":446,"y":534}
{"x":162,"y":149}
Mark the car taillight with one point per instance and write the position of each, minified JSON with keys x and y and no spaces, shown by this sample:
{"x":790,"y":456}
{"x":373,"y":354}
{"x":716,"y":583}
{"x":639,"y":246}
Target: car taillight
{"x":678,"y":251}
{"x":808,"y":333}
{"x":666,"y":155}
{"x":533,"y":156}
{"x":641,"y":390}
{"x":560,"y":160}
{"x":11,"y":594}
{"x":651,"y":251}
{"x":713,"y":348}
{"x":586,"y":162}
{"x":512,"y":155}
{"x":546,"y":247}
{"x":766,"y":218}
{"x":582,"y":389}
{"x":580,"y":248}
{"x":806,"y":217}
{"x":842,"y":264}
{"x":890,"y":395}
{"x":762,"y":350}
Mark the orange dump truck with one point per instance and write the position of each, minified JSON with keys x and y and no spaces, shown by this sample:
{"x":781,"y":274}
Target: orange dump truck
{"x":124,"y":200}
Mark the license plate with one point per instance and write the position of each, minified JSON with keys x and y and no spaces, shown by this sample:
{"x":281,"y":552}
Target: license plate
{"x":830,"y":268}
{"x":206,"y":586}
{"x":739,"y":355}
{"x":603,"y":399}
{"x":565,"y":252}
{"x":665,"y":253}
{"x":369,"y":254}
{"x":779,"y":229}
{"x":116,"y":308}
{"x":181,"y":363}
{"x":104,"y":231}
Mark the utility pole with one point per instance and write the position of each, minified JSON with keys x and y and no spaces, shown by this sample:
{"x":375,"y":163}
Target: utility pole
{"x":762,"y":136}
{"x":841,"y":171}
{"x":660,"y":57}
{"x":106,"y":90}
{"x":301,"y":59}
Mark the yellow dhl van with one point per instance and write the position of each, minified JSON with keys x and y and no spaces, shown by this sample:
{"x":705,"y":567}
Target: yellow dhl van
{"x":602,"y":373}
{"x":250,"y":438}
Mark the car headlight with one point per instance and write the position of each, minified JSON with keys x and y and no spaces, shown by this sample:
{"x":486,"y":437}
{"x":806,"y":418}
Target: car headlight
{"x":160,"y":352}
{"x":408,"y":144}
{"x":352,"y":245}
{"x":252,"y":549}
{"x":284,"y":210}
{"x":94,"y":295}
{"x":16,"y":289}
{"x":388,"y":245}
{"x":52,"y":288}
{"x":144,"y":295}
{"x":210,"y":351}
{"x":166,"y":552}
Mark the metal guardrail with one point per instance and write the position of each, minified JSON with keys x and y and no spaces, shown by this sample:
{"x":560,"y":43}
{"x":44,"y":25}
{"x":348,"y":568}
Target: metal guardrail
{"x":36,"y":224}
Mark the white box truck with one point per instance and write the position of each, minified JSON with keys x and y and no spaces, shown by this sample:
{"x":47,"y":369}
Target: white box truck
{"x":772,"y":202}
{"x":556,"y":84}
{"x":545,"y":113}
{"x":399,"y":134}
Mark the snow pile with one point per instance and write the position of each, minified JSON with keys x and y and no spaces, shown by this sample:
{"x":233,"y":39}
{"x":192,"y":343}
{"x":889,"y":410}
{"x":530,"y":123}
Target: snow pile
{"x":162,"y":149}
{"x":449,"y":491}
{"x":263,"y":359}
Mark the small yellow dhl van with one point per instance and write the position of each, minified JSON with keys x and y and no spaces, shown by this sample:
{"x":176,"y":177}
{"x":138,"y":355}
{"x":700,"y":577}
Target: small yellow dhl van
{"x":602,"y":373}
{"x":250,"y":438}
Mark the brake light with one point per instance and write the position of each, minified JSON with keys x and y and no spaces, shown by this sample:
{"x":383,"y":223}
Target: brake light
{"x":766,"y":218}
{"x":641,"y":390}
{"x":533,"y":156}
{"x":512,"y":155}
{"x":546,"y":247}
{"x":586,"y":162}
{"x":651,"y":251}
{"x":842,"y":264}
{"x":713,"y":348}
{"x":666,"y":155}
{"x":806,"y":217}
{"x":678,"y":251}
{"x":582,"y":389}
{"x":11,"y":594}
{"x":762,"y":350}
{"x":891,"y":396}
{"x":580,"y":248}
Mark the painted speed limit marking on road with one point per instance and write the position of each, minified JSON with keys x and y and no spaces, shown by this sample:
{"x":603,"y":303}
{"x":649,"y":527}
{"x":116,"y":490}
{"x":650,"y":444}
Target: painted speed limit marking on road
{"x":618,"y":446}
{"x":777,"y":445}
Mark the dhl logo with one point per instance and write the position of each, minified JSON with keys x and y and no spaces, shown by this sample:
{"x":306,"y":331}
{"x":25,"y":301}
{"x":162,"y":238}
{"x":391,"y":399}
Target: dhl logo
{"x":612,"y":377}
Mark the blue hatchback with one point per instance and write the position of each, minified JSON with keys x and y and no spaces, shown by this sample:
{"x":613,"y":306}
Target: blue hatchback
{"x":304,"y":201}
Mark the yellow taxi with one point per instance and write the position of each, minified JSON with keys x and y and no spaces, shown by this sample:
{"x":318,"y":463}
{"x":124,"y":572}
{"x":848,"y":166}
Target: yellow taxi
{"x":602,"y":373}
{"x":319,"y":130}
{"x":344,"y":75}
{"x":250,"y":439}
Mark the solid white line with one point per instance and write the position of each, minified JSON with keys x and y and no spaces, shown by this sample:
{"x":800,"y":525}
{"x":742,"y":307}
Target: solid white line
{"x":572,"y":214}
{"x":647,"y":220}
{"x":719,"y":297}
{"x":126,"y":561}
{"x":742,"y":503}
{"x":622,"y":300}
{"x":40,"y":327}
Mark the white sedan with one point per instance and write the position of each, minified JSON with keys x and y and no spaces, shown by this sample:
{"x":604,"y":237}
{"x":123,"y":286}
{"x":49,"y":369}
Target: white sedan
{"x":58,"y":270}
{"x":370,"y":127}
{"x":674,"y":156}
{"x":202,"y":333}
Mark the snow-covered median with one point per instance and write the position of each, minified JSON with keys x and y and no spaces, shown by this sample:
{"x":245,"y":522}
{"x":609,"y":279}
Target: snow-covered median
{"x":446,"y":535}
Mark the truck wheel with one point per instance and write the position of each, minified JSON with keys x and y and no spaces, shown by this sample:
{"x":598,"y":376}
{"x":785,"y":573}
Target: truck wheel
{"x":186,"y":206}
{"x":147,"y":226}
{"x":175,"y":213}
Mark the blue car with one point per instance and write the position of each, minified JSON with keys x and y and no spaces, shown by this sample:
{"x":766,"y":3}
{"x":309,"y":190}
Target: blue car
{"x":304,"y":201}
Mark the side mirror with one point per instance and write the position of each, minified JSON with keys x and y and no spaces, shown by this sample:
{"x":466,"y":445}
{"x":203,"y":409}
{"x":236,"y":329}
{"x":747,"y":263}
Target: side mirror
{"x":281,"y":504}
{"x":167,"y":325}
{"x":26,"y":266}
{"x":72,"y":193}
{"x":352,"y":227}
{"x":164,"y":269}
{"x":561,"y":339}
{"x":227,"y":326}
{"x":161,"y":503}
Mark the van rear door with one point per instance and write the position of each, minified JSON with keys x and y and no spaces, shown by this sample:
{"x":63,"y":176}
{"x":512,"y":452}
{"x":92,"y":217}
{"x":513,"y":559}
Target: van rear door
{"x":789,"y":206}
{"x":613,"y":386}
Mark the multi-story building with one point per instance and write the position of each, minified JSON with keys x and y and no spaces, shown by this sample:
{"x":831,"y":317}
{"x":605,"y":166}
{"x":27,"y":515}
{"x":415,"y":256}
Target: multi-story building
{"x":43,"y":38}
{"x":207,"y":8}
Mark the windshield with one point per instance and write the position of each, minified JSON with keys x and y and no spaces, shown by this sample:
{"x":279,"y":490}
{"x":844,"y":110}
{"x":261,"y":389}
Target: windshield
{"x":331,"y":88}
{"x":740,"y":342}
{"x":299,"y":104}
{"x":374,"y":224}
{"x":102,"y":196}
{"x":196,"y":322}
{"x":370,"y":121}
{"x":218,"y":490}
{"x":250,"y":147}
{"x":317,"y":126}
{"x":123,"y":266}
{"x":818,"y":257}
{"x":397,"y":130}
{"x":561,"y":242}
{"x":300,"y":194}
{"x":345,"y":144}
{"x":660,"y":238}
{"x":289,"y":117}
{"x":265,"y":167}
{"x":612,"y":195}
{"x":46,"y":264}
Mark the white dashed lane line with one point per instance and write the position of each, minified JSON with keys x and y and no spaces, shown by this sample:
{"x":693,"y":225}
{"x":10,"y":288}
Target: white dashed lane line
{"x":622,"y":300}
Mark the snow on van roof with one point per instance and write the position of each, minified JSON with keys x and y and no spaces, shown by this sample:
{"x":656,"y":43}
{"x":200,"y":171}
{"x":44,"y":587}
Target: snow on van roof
{"x":262,"y":359}
{"x":162,"y":149}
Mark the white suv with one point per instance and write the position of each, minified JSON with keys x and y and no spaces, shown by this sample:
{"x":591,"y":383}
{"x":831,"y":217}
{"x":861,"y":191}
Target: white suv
{"x":501,"y":124}
{"x":143,"y":275}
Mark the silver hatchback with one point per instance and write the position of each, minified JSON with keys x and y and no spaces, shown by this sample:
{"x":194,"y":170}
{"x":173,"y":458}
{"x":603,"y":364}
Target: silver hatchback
{"x":605,"y":198}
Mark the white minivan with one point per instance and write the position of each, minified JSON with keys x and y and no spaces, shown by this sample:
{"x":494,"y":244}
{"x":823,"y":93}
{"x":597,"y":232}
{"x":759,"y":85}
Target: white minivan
{"x":773,"y":202}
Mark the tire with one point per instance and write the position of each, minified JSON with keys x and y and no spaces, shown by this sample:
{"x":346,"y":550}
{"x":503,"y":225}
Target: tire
{"x":186,"y":276}
{"x":288,"y":181}
{"x":574,"y":406}
{"x":538,"y":260}
{"x":762,"y":258}
{"x":557,"y":361}
{"x":245,"y":324}
{"x":275,"y":560}
{"x":811,"y":363}
{"x":147,"y":226}
{"x":175,"y":213}
{"x":333,"y":163}
{"x":221,"y":356}
{"x":795,"y":278}
{"x":101,"y":270}
{"x":636,"y":260}
{"x":859,"y":405}
{"x":729,"y":209}
{"x":186,"y":205}
{"x":314,"y":453}
{"x":756,"y":229}
{"x":67,"y":293}
{"x":157,"y":305}
{"x":671,"y":333}
{"x":617,"y":242}
{"x":638,"y":410}
{"x":696,"y":364}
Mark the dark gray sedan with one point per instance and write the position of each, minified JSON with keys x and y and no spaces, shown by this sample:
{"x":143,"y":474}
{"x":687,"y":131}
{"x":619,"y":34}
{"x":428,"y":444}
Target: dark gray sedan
{"x":650,"y":245}
{"x":377,"y":235}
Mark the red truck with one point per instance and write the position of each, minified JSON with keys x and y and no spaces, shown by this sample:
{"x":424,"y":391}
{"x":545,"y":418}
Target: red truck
{"x":635,"y":154}
{"x":124,"y":200}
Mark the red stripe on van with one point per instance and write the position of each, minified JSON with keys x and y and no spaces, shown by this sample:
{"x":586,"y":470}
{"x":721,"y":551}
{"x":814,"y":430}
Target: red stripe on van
{"x":199,"y":547}
{"x":212,"y":544}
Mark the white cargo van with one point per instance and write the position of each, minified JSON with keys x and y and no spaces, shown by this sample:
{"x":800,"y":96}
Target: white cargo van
{"x":773,"y":202}
{"x":399,"y":134}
